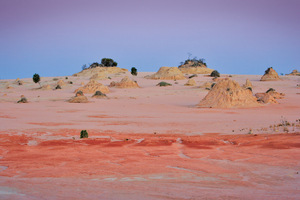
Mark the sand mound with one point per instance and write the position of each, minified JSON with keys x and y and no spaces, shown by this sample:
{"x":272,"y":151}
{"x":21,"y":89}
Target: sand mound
{"x":100,"y":70}
{"x":248,"y":84}
{"x":79,"y":98}
{"x":19,"y":82}
{"x":228,"y":94}
{"x":92,"y":87}
{"x":206,"y":85}
{"x":167,"y":73}
{"x":274,"y":94}
{"x":270,"y":75}
{"x":294,"y":73}
{"x":46,"y":87}
{"x":61,"y":83}
{"x":265,"y":98}
{"x":191,"y":82}
{"x":190,"y":68}
{"x":126,"y":82}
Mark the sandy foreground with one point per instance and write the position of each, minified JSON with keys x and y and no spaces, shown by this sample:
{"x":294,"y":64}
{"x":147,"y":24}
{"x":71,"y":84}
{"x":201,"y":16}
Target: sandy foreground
{"x":147,"y":143}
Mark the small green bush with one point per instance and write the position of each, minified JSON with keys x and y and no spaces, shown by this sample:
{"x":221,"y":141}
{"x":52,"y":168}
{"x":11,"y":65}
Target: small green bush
{"x":194,"y":75}
{"x":163,"y":84}
{"x":36,"y":78}
{"x":215,"y":73}
{"x":267,"y":71}
{"x":58,"y":87}
{"x":270,"y":90}
{"x":134,"y":71}
{"x":99,"y":94}
{"x":84,"y":134}
{"x":23,"y":100}
{"x":108,"y":62}
{"x":79,"y":93}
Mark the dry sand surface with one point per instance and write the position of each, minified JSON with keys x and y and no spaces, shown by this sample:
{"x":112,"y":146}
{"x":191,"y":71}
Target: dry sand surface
{"x":147,"y":143}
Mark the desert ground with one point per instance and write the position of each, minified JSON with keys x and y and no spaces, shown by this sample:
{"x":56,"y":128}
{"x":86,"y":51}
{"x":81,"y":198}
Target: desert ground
{"x":147,"y":143}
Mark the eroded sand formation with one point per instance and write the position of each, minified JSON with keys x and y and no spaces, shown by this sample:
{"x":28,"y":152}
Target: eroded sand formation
{"x":92,"y":86}
{"x":100,"y":72}
{"x":191,"y":82}
{"x":227,"y":93}
{"x":79,"y":98}
{"x":167,"y":73}
{"x":270,"y":75}
{"x":126,"y":82}
{"x":294,"y":73}
{"x":189,"y":68}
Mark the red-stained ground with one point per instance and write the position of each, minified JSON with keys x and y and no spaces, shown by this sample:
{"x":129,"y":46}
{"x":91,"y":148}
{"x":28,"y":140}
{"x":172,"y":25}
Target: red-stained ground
{"x":208,"y":166}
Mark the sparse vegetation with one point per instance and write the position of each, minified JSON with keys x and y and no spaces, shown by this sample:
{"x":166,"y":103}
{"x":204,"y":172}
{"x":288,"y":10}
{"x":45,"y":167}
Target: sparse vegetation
{"x":84,"y":67}
{"x":163,"y":84}
{"x":99,"y":94}
{"x":108,"y":62}
{"x":194,"y":62}
{"x":36,"y":78}
{"x":23,"y":100}
{"x":215,"y":73}
{"x":84,"y":134}
{"x":105,"y":62}
{"x":270,"y":90}
{"x":267,"y":71}
{"x":134,"y":71}
{"x":194,"y":75}
{"x":79,"y":93}
{"x":58,"y":87}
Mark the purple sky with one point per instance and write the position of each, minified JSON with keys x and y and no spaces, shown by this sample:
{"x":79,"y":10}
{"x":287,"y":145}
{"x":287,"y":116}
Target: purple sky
{"x":56,"y":37}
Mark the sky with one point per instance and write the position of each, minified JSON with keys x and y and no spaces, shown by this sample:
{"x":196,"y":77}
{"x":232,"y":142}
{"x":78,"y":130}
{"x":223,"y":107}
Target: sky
{"x":57,"y":37}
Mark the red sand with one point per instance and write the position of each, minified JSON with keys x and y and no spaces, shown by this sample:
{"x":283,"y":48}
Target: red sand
{"x":148,"y":143}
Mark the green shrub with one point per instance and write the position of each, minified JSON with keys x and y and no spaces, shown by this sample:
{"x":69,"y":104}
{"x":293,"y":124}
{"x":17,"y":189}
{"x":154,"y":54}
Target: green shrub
{"x":36,"y":78}
{"x":163,"y":84}
{"x":99,"y":94}
{"x":194,"y":75}
{"x":267,"y":71}
{"x":58,"y":87}
{"x":194,"y":62}
{"x":134,"y":71}
{"x":270,"y":90}
{"x":108,"y":62}
{"x":84,"y":134}
{"x":23,"y":100}
{"x":215,"y":73}
{"x":95,"y":64}
{"x":79,"y":93}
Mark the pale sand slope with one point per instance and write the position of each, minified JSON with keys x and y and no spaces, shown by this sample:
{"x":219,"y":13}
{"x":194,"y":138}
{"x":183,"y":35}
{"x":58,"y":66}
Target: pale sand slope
{"x":194,"y":153}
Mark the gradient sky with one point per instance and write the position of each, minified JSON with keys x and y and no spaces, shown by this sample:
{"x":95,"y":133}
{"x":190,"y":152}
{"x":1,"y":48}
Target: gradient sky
{"x":56,"y":37}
